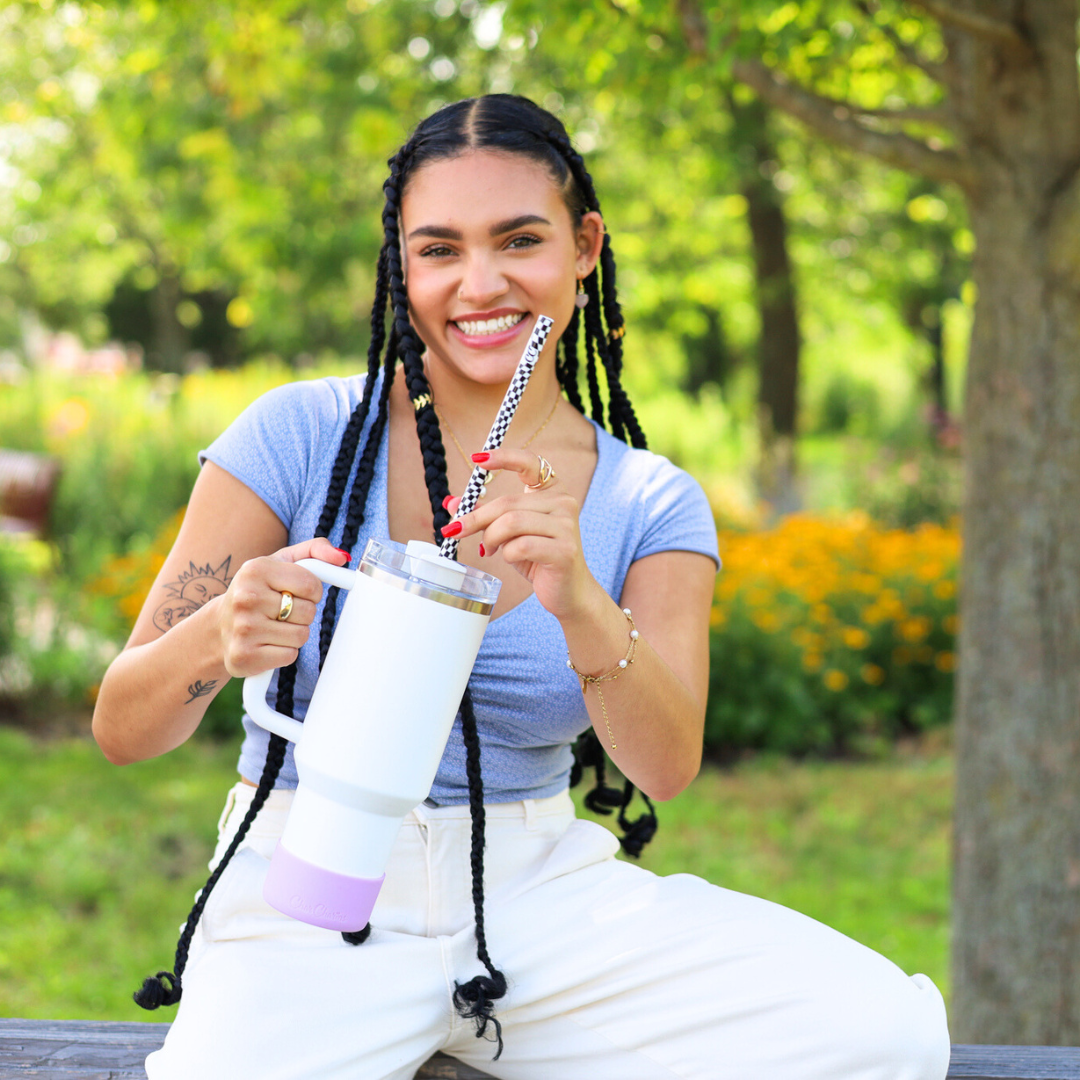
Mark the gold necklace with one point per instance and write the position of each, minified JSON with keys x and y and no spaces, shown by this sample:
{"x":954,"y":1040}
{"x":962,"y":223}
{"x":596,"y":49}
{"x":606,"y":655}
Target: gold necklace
{"x":465,"y":457}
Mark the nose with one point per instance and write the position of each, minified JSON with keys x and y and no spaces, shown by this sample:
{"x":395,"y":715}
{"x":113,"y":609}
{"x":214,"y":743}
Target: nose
{"x":482,"y":281}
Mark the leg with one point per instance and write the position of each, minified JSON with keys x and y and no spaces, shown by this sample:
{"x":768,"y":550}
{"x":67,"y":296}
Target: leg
{"x":617,"y":974}
{"x":271,"y":998}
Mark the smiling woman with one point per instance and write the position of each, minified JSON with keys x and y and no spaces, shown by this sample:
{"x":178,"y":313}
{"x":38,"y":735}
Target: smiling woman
{"x":607,"y":557}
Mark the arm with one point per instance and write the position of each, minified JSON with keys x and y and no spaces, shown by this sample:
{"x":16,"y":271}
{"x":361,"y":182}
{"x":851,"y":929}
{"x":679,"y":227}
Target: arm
{"x":211,"y":614}
{"x":656,"y":708}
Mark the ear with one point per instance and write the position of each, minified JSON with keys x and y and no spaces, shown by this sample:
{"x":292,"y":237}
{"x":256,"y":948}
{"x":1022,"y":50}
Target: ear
{"x":590,"y":239}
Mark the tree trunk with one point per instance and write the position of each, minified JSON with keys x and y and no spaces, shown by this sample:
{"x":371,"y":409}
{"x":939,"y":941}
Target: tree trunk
{"x":1016,"y":931}
{"x":170,"y":340}
{"x":778,"y":339}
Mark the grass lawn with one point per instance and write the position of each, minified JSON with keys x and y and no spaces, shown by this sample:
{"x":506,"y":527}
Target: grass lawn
{"x":98,"y":864}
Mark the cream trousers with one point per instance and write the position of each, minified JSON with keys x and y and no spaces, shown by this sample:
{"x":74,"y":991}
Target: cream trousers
{"x":614,"y":973}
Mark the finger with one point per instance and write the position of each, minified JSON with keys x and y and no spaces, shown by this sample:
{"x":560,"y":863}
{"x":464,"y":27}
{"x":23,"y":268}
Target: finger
{"x":280,"y":577}
{"x":302,"y":613}
{"x":525,"y":463}
{"x":451,"y":503}
{"x":519,"y":523}
{"x":317,"y":548}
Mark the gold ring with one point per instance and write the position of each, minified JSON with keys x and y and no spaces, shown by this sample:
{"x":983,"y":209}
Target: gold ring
{"x":286,"y":606}
{"x":547,"y":475}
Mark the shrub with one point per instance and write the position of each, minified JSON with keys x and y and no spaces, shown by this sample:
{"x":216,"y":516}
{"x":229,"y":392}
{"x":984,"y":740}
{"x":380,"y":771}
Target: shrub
{"x":829,"y":634}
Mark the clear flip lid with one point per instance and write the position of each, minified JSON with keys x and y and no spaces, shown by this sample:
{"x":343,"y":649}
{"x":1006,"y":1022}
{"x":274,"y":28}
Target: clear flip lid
{"x":417,"y":567}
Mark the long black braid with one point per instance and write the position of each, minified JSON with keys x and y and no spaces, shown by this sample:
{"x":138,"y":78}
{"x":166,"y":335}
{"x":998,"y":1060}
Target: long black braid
{"x":498,"y":122}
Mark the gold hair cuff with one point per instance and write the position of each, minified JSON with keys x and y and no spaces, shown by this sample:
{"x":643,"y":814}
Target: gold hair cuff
{"x":608,"y":676}
{"x":618,"y":332}
{"x":422,"y":401}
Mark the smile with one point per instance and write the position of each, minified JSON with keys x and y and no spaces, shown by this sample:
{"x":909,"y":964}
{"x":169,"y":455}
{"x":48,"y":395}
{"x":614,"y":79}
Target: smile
{"x":475,"y":328}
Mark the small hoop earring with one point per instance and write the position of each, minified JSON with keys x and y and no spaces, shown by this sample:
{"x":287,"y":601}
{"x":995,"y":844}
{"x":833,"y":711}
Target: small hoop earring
{"x":582,"y":297}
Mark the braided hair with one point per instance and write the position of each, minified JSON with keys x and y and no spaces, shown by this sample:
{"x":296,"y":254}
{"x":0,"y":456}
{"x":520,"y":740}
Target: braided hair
{"x":510,"y":124}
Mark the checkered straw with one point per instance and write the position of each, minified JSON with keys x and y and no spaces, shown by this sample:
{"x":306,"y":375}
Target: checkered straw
{"x":502,"y":421}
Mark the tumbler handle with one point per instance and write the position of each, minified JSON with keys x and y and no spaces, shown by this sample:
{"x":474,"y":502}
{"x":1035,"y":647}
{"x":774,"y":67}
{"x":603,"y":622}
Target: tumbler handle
{"x":255,"y":686}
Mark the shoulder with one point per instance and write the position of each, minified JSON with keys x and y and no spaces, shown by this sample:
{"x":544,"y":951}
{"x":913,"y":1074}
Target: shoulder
{"x":641,"y":476}
{"x":663,"y":505}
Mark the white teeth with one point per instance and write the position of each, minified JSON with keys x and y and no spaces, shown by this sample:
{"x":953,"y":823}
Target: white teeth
{"x":476,"y":328}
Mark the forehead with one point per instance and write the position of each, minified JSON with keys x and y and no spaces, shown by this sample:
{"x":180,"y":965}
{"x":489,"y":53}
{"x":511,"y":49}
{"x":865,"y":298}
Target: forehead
{"x":480,"y":187}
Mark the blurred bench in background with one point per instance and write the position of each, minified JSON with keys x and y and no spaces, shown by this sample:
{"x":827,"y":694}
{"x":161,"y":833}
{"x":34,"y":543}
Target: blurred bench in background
{"x":92,"y":1050}
{"x":27,"y":486}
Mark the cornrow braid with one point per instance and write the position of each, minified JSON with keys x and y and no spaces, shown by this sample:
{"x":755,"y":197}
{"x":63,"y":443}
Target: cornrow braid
{"x":154,"y":992}
{"x":475,"y":999}
{"x":427,"y":423}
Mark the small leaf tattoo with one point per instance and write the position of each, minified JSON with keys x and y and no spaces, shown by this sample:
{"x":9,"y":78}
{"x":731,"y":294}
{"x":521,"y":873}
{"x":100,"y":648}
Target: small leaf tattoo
{"x":200,"y":689}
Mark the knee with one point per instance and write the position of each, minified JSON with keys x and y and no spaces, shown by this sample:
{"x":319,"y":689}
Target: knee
{"x":901,"y":1034}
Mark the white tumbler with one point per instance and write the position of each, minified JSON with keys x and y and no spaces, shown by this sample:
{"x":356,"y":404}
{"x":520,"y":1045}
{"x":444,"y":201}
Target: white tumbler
{"x":381,"y":713}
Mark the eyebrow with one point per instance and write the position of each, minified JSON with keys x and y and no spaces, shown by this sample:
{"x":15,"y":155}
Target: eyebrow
{"x":441,"y":232}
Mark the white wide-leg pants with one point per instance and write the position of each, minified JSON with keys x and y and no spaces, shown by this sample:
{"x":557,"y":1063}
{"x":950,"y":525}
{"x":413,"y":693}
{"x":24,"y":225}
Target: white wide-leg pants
{"x":614,"y":973}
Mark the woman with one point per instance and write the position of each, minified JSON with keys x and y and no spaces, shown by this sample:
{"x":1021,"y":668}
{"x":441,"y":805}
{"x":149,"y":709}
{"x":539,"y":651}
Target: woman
{"x":574,"y":963}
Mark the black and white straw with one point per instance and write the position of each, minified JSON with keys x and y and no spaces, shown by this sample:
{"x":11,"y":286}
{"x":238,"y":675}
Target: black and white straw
{"x":509,"y":405}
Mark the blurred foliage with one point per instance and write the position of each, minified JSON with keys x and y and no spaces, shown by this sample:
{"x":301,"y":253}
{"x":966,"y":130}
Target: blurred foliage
{"x":829,"y":636}
{"x":207,"y":176}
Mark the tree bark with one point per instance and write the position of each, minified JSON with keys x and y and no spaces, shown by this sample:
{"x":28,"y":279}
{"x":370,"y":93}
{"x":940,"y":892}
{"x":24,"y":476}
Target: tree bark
{"x":779,"y":342}
{"x":1014,"y":105}
{"x":1016,"y":911}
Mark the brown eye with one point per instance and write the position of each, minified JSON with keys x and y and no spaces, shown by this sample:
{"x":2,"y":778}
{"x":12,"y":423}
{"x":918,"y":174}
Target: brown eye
{"x":526,"y":241}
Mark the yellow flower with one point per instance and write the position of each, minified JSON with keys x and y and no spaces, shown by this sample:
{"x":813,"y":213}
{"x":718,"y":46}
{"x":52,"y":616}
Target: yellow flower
{"x":717,"y":618}
{"x":915,"y":628}
{"x":812,"y":661}
{"x":835,"y":680}
{"x":855,"y":637}
{"x":945,"y":589}
{"x":945,"y":661}
{"x":872,"y":674}
{"x":951,"y":623}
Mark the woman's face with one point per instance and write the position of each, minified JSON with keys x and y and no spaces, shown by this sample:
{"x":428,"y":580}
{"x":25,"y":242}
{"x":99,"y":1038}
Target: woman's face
{"x":490,"y":244}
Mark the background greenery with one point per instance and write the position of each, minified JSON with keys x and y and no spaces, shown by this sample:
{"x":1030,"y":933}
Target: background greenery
{"x":201,"y":183}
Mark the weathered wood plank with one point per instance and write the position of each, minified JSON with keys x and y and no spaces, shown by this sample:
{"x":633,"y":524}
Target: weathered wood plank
{"x":1015,"y":1063}
{"x":97,"y":1050}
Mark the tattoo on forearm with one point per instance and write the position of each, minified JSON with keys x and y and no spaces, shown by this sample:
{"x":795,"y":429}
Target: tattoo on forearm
{"x":194,"y":587}
{"x":200,"y":689}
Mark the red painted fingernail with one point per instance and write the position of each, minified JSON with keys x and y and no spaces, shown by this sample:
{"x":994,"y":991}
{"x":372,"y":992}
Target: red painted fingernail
{"x":452,"y":529}
{"x":482,"y":552}
{"x":480,"y":458}
{"x":446,"y":501}
{"x":342,"y":551}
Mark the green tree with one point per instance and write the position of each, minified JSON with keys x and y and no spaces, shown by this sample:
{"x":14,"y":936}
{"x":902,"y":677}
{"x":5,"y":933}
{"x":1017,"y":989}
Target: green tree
{"x":991,"y":104}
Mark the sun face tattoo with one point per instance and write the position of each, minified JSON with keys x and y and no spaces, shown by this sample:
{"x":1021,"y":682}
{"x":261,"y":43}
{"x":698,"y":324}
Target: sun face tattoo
{"x":194,"y":587}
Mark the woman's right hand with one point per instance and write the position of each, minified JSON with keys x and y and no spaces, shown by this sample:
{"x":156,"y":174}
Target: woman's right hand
{"x":253,"y":638}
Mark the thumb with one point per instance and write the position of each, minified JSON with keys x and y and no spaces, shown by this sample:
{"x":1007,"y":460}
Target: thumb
{"x":318,"y":548}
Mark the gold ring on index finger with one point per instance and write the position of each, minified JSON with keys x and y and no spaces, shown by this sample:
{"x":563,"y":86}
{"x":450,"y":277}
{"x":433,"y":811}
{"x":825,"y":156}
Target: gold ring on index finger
{"x":286,"y":606}
{"x":547,"y":475}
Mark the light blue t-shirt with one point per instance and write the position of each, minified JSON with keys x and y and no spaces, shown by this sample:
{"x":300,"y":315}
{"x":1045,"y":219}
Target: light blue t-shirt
{"x":528,"y":703}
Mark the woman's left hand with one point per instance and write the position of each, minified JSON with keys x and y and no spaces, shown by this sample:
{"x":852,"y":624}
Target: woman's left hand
{"x":536,"y":532}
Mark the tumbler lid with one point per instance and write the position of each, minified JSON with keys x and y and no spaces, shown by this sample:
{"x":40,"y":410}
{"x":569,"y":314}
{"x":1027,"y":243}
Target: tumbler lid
{"x":419,"y":568}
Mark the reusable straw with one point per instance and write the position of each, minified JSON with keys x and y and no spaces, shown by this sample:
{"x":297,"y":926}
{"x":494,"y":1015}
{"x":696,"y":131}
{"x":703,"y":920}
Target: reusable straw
{"x":502,"y":421}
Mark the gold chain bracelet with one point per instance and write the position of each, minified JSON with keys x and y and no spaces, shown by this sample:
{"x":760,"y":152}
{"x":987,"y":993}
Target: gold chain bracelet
{"x":608,"y":676}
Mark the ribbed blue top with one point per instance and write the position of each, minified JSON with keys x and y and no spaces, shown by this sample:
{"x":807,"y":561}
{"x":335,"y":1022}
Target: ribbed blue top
{"x":529,"y":706}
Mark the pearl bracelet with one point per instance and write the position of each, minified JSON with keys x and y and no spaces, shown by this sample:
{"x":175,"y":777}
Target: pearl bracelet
{"x":608,"y":676}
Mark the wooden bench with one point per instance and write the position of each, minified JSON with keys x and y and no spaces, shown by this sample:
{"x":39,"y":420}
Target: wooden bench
{"x":27,"y":486}
{"x":92,"y":1050}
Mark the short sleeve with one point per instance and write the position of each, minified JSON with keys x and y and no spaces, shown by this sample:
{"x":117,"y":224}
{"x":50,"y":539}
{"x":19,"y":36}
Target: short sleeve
{"x":677,"y":515}
{"x":269,"y":446}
